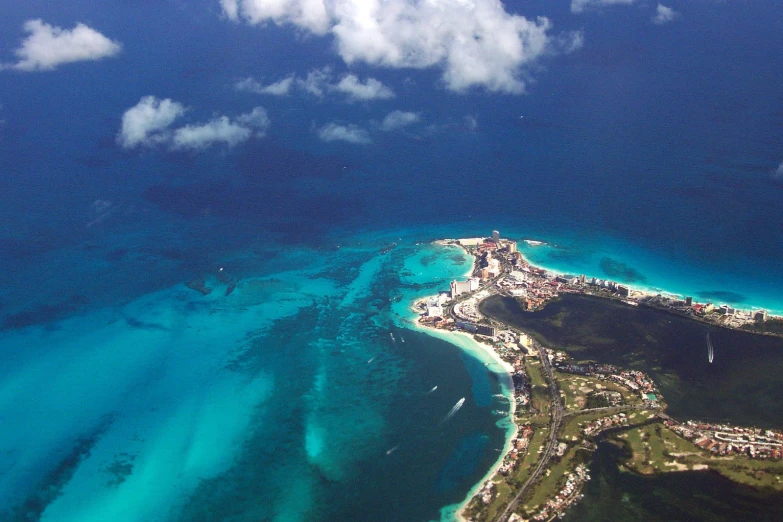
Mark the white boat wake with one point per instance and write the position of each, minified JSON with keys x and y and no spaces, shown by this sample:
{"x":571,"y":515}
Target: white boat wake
{"x":453,"y":410}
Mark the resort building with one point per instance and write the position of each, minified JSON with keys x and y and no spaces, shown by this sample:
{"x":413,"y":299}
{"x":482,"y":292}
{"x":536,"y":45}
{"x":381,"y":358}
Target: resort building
{"x":464,"y":287}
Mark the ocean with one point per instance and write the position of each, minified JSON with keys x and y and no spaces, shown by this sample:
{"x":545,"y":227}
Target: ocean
{"x":647,"y":156}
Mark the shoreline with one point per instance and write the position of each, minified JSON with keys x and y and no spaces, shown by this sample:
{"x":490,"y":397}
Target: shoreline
{"x":642,"y":288}
{"x":541,"y":291}
{"x":481,"y":351}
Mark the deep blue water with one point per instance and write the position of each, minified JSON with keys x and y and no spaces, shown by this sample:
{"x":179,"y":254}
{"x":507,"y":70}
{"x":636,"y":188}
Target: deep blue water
{"x":652,"y":146}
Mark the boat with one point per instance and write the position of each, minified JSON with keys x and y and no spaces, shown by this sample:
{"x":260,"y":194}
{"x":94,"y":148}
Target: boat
{"x":710,"y":351}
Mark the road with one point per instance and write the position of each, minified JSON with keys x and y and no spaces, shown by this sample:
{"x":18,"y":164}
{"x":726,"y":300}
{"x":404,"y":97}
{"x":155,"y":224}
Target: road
{"x":556,"y":410}
{"x":556,"y":419}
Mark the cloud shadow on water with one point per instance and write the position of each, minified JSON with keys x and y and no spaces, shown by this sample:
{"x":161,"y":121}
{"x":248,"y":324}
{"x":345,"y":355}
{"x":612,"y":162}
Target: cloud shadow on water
{"x":722,"y":295}
{"x":43,"y":314}
{"x":621,"y":271}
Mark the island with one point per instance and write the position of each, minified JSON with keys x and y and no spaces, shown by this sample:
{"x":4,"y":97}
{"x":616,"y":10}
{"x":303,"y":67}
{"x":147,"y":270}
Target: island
{"x":561,"y":406}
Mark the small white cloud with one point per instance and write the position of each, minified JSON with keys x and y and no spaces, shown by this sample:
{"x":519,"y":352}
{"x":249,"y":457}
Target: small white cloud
{"x":48,"y":46}
{"x":279,"y":88}
{"x":230,"y":9}
{"x":147,"y":122}
{"x":257,"y":119}
{"x":349,"y":133}
{"x":219,"y":130}
{"x":471,"y":123}
{"x":399,"y":119}
{"x":371,"y":89}
{"x":567,"y":43}
{"x":320,"y":83}
{"x":778,"y":173}
{"x":578,"y":6}
{"x":664,"y":15}
{"x":316,"y":82}
{"x":309,"y":14}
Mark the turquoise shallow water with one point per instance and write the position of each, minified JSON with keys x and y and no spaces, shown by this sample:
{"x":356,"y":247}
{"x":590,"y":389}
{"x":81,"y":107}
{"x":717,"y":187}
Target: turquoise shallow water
{"x":300,"y":395}
{"x":647,"y":155}
{"x":741,"y":283}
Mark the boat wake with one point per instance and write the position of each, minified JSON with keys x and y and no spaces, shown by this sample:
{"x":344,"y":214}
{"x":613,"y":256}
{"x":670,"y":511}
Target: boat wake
{"x":392,"y":450}
{"x":453,"y":410}
{"x":432,"y":390}
{"x":710,"y":351}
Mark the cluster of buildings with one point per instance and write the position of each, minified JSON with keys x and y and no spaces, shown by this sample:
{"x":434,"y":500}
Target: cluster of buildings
{"x":534,"y":286}
{"x":611,"y":398}
{"x":486,"y":492}
{"x":634,"y":380}
{"x":722,"y":314}
{"x":612,"y":286}
{"x":566,"y":496}
{"x":467,"y":310}
{"x":604,"y":423}
{"x":519,"y":448}
{"x":721,"y":439}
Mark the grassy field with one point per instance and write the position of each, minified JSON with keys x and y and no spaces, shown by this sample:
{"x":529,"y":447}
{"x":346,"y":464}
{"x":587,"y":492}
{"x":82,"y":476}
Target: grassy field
{"x":479,"y":512}
{"x":574,"y":390}
{"x":508,"y":486}
{"x":552,"y":481}
{"x":539,"y":390}
{"x":657,"y":449}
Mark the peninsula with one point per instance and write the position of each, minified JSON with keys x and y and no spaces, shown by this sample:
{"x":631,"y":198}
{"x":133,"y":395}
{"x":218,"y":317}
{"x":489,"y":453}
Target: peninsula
{"x":562,"y":406}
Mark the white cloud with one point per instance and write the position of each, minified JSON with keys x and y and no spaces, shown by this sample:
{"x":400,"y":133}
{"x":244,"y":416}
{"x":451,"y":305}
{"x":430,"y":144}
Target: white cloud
{"x":48,"y":46}
{"x":578,"y":6}
{"x":149,"y":122}
{"x":399,"y":119}
{"x":778,"y":173}
{"x":309,"y":14}
{"x":230,"y":8}
{"x":319,"y":83}
{"x":476,"y":42}
{"x":664,"y":15}
{"x":278,"y":88}
{"x":316,"y":82}
{"x":349,"y":133}
{"x":372,"y":89}
{"x":257,"y":119}
{"x":219,"y":130}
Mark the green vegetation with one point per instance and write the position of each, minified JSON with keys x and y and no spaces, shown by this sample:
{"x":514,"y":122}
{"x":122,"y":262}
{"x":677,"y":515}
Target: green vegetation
{"x":571,"y":428}
{"x":653,"y":448}
{"x":771,"y":326}
{"x":477,"y":511}
{"x":539,"y":390}
{"x":577,"y":389}
{"x":506,"y":487}
{"x":549,"y":484}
